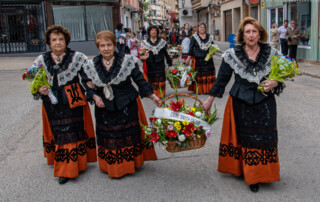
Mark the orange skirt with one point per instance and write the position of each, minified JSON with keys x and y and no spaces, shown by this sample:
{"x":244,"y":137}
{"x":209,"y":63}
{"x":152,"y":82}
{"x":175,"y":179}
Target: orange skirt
{"x":257,"y":165}
{"x":157,"y":86}
{"x":69,"y":159}
{"x":118,"y":163}
{"x":205,"y":83}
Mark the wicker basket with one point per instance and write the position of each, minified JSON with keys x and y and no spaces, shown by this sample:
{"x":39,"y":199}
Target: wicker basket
{"x":177,"y":85}
{"x":192,"y":144}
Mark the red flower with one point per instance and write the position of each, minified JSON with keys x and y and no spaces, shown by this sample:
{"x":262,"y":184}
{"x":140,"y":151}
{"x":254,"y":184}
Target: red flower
{"x":189,"y":74}
{"x":151,"y":119}
{"x":154,"y":137}
{"x":175,"y":106}
{"x":171,"y":134}
{"x":191,"y":114}
{"x":174,"y":71}
{"x":24,"y":75}
{"x":189,"y":129}
{"x":180,"y":51}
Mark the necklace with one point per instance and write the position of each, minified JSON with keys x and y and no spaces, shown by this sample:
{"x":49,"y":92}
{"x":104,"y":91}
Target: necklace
{"x":108,"y":61}
{"x":251,"y":58}
{"x":58,"y":56}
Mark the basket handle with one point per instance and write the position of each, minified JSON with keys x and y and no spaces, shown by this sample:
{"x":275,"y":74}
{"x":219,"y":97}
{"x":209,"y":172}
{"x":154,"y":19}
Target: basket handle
{"x":181,"y":94}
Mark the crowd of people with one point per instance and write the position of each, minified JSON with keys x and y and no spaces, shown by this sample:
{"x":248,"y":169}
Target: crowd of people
{"x":70,"y":141}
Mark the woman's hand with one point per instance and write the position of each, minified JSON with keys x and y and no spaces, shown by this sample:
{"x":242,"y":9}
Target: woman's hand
{"x":187,"y":61}
{"x":44,"y":90}
{"x":156,"y":100}
{"x":269,"y":85}
{"x":207,"y":104}
{"x":91,"y":85}
{"x":97,"y":99}
{"x":145,"y":56}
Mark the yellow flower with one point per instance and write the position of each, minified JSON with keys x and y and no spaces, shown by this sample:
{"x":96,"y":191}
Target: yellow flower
{"x":178,"y":128}
{"x":193,"y":109}
{"x":185,"y":122}
{"x":176,"y":124}
{"x":189,"y":108}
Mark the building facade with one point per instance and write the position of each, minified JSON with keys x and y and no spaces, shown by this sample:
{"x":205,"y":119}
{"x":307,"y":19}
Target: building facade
{"x":23,"y":23}
{"x":173,"y":12}
{"x":159,"y":12}
{"x":131,"y":12}
{"x":306,"y":14}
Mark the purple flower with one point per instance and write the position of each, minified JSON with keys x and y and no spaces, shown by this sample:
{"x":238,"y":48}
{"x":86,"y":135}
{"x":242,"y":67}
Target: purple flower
{"x":170,"y":127}
{"x":208,"y":133}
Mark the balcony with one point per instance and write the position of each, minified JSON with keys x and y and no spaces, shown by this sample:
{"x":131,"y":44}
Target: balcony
{"x":199,"y":4}
{"x":132,"y":5}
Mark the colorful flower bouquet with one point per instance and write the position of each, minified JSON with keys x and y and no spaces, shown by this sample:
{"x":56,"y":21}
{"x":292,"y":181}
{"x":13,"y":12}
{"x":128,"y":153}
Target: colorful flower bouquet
{"x":212,"y":50}
{"x":282,"y":68}
{"x":179,"y":127}
{"x":38,"y":77}
{"x":175,"y":51}
{"x":180,"y":76}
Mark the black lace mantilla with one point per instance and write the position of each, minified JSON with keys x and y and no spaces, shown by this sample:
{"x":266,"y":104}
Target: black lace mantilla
{"x":104,"y":75}
{"x":253,"y":66}
{"x":63,"y":65}
{"x":251,"y":158}
{"x":118,"y":156}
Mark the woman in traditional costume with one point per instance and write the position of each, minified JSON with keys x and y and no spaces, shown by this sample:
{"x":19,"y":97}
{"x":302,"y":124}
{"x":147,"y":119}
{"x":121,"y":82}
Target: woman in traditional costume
{"x":249,"y":134}
{"x":118,"y":109}
{"x":206,"y":72}
{"x":68,"y":134}
{"x":155,"y":60}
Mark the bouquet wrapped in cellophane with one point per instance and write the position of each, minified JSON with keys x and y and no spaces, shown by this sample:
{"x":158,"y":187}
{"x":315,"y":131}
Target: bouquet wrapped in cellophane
{"x":38,"y":77}
{"x":282,"y":68}
{"x":212,"y":50}
{"x":180,"y":76}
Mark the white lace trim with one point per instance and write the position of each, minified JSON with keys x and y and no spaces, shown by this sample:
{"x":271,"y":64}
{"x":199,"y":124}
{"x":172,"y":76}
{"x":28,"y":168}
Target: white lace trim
{"x":78,"y":60}
{"x":155,"y":49}
{"x":239,"y":68}
{"x":203,"y":46}
{"x":128,"y":64}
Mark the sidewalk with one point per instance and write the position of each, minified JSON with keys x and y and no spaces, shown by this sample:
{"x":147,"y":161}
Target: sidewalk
{"x":20,"y":63}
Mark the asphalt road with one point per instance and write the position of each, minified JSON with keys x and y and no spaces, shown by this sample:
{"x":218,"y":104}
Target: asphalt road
{"x":185,"y":176}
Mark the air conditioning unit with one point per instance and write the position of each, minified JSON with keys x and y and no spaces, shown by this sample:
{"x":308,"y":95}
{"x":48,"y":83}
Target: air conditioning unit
{"x":135,"y":15}
{"x":184,"y":12}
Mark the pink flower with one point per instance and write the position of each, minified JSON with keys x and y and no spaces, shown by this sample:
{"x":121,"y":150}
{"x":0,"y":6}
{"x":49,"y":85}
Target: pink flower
{"x":208,"y":133}
{"x":170,"y":127}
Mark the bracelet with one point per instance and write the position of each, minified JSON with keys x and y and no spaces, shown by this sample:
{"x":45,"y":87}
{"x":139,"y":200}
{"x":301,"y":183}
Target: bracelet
{"x":152,"y":96}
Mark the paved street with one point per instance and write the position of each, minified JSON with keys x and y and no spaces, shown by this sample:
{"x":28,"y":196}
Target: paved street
{"x":185,"y":176}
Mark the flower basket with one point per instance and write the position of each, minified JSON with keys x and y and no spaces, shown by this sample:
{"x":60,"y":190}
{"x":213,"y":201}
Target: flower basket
{"x":179,"y":127}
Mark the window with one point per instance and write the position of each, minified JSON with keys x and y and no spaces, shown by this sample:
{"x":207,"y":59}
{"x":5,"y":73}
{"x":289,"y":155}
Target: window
{"x":301,"y":12}
{"x":83,"y":21}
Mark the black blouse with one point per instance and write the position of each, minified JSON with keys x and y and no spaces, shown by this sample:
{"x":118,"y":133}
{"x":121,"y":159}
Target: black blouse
{"x":156,"y":62}
{"x":124,"y":92}
{"x":242,"y":88}
{"x":195,"y":49}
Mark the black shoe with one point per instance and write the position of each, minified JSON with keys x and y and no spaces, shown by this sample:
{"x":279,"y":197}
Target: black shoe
{"x":254,"y":187}
{"x":63,"y":180}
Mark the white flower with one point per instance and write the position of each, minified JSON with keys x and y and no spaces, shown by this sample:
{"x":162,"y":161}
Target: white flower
{"x":198,"y":114}
{"x":159,"y":121}
{"x":181,"y":138}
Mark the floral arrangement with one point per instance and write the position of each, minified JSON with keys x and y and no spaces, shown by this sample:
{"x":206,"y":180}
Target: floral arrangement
{"x":212,"y":50}
{"x":142,"y":50}
{"x":184,"y":75}
{"x":169,"y":126}
{"x":38,"y":77}
{"x":282,"y":68}
{"x":174,"y":51}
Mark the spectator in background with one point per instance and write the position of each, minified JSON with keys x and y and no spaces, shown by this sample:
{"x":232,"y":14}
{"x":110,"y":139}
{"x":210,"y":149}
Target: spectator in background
{"x":274,"y":37}
{"x":133,"y":44}
{"x":121,"y":39}
{"x":128,"y":36}
{"x":185,"y":45}
{"x":293,"y":36}
{"x":143,"y":31}
{"x":282,"y":33}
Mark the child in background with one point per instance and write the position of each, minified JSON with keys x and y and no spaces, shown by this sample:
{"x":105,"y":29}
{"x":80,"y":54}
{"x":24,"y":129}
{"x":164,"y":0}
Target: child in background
{"x":133,"y":44}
